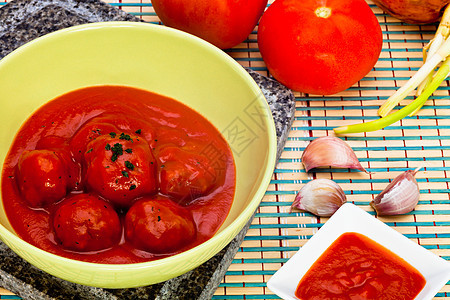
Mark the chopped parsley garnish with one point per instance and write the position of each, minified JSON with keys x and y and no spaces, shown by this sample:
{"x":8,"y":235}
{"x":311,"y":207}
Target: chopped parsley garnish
{"x":129,"y":165}
{"x":108,"y":147}
{"x":132,"y":187}
{"x":117,"y":151}
{"x":138,"y":131}
{"x":129,"y":150}
{"x":113,"y":134}
{"x":125,"y":174}
{"x":125,"y":137}
{"x":90,"y":150}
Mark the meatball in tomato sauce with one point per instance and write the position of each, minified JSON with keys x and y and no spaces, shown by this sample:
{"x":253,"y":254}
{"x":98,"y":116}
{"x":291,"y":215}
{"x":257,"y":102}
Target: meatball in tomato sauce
{"x":120,"y":167}
{"x":87,"y":133}
{"x":184,"y":175}
{"x":62,"y":149}
{"x":159,"y":225}
{"x":85,"y":222}
{"x":42,"y":177}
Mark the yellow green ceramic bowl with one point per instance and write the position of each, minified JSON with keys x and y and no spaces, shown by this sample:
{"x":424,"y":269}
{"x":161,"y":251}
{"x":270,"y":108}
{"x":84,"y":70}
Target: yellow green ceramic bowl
{"x":158,"y":59}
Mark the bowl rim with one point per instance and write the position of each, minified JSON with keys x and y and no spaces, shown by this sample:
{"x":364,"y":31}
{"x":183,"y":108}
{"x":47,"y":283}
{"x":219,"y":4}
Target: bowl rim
{"x":246,"y":214}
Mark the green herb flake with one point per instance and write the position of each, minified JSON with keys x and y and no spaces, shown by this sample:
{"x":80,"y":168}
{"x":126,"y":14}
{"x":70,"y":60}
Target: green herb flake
{"x":139,"y":131}
{"x":159,"y":218}
{"x":129,"y":165}
{"x":125,"y":137}
{"x":132,"y":187}
{"x":113,"y":134}
{"x":108,"y":147}
{"x":125,"y":174}
{"x":129,"y":150}
{"x":117,"y":151}
{"x":90,"y":150}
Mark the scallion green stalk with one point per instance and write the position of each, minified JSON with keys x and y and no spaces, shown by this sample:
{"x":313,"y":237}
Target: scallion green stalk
{"x":380,"y":123}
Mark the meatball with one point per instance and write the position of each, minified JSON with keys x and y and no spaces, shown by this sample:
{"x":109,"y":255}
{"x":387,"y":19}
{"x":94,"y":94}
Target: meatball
{"x":88,"y":132}
{"x":106,"y":123}
{"x":184,"y":175}
{"x":159,"y":225}
{"x":136,"y":125}
{"x":171,"y":136}
{"x":85,"y":222}
{"x":120,"y":167}
{"x":61,"y":148}
{"x":42,"y":178}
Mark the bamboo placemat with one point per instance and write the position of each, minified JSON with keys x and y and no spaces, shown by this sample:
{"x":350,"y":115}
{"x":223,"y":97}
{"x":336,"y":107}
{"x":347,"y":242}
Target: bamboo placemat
{"x":422,"y":140}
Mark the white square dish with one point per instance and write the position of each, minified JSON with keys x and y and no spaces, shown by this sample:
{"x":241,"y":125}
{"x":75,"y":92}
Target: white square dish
{"x":350,"y":218}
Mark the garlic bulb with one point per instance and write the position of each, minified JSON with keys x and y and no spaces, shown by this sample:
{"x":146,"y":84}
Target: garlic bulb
{"x":330,"y":151}
{"x":399,"y":197}
{"x":321,"y":197}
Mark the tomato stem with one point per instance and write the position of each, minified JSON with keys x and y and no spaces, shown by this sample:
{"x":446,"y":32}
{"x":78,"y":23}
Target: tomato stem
{"x":323,"y":12}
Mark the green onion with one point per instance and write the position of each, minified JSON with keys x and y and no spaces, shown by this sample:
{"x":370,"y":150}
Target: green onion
{"x":380,"y":123}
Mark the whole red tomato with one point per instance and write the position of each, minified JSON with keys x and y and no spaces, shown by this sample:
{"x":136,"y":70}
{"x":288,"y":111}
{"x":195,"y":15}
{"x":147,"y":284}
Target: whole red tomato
{"x":224,"y":23}
{"x":319,"y":46}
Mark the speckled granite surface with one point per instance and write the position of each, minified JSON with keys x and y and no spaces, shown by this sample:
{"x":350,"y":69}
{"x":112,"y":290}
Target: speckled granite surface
{"x":24,"y":20}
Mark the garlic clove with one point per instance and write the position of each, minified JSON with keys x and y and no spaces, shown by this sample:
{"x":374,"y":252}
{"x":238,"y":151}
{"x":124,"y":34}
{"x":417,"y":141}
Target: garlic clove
{"x":321,"y":197}
{"x":399,"y":197}
{"x":330,"y":151}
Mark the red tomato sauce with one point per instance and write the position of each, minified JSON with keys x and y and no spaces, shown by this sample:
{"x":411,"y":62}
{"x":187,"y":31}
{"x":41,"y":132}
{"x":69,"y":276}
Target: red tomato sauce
{"x":114,"y":174}
{"x":355,"y":267}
